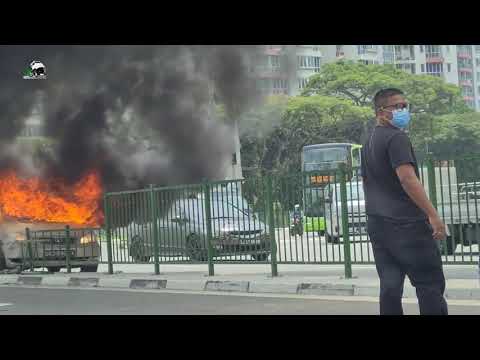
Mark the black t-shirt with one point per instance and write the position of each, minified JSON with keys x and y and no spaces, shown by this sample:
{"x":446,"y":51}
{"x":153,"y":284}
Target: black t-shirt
{"x":385,"y":150}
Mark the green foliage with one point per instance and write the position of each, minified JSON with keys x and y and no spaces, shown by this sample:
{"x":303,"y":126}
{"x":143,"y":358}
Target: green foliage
{"x":298,"y":122}
{"x":456,"y":135}
{"x":359,"y":83}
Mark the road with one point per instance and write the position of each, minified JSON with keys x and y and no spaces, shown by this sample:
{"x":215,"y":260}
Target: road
{"x":42,"y":301}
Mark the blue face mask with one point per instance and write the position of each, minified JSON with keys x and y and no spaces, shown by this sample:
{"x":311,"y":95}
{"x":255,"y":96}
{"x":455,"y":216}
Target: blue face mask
{"x":401,"y":118}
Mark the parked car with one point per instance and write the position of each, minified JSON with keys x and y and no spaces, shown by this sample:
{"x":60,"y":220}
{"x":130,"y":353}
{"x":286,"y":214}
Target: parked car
{"x":183,"y":231}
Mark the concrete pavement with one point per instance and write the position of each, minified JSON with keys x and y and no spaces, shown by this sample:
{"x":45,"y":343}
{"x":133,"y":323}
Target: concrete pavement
{"x":306,"y":280}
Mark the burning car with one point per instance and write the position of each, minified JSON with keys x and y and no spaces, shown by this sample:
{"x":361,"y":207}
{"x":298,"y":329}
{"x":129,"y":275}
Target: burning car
{"x":46,"y":206}
{"x":48,"y":247}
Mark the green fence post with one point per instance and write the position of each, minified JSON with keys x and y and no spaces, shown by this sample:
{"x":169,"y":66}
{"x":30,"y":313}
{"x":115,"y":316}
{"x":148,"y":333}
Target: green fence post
{"x":208,"y":218}
{"x":432,"y":186}
{"x":271,"y":224}
{"x":29,"y":247}
{"x":345,"y":231}
{"x":67,"y":250}
{"x":108,"y":233}
{"x":154,"y":217}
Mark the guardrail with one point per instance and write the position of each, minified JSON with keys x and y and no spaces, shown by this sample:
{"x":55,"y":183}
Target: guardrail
{"x":302,"y":218}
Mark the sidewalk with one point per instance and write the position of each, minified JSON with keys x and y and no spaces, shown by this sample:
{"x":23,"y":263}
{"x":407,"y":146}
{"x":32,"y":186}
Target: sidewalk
{"x":462,"y":281}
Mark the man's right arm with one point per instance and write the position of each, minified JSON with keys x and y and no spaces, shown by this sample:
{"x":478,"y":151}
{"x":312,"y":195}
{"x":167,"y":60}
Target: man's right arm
{"x":414,"y":189}
{"x":402,"y":159}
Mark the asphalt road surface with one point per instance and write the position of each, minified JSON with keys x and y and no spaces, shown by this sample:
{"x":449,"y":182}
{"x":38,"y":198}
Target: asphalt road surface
{"x":42,"y":301}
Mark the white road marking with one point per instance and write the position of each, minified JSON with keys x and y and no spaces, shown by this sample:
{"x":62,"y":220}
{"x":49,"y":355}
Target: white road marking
{"x":5,"y":304}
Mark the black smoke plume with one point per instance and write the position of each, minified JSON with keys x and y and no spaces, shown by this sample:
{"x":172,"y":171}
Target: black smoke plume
{"x":138,"y":114}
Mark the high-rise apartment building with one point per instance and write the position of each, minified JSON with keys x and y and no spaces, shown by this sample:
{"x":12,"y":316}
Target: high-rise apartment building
{"x":285,"y":69}
{"x":456,"y":64}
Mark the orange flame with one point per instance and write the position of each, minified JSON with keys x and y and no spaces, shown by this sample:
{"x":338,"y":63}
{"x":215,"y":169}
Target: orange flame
{"x":52,"y":200}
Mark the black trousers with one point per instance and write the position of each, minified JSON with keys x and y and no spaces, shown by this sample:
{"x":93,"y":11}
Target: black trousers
{"x":408,"y":249}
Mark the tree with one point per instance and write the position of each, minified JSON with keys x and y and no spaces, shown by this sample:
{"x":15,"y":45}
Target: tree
{"x":298,"y":122}
{"x":456,"y":135}
{"x":359,"y":83}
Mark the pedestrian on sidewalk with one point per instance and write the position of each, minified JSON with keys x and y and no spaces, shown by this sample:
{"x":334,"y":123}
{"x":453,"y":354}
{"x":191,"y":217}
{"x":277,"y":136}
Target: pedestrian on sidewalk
{"x":403,"y":225}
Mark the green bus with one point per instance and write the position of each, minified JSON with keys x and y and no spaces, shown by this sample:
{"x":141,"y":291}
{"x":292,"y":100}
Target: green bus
{"x":323,"y":160}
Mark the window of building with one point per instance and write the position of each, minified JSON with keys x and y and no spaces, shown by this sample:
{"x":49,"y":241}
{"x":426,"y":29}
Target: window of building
{"x":434,"y":69}
{"x":366,"y":62}
{"x":465,"y":49}
{"x":448,"y":50}
{"x":449,"y":67}
{"x":409,"y":68}
{"x":465,"y":76}
{"x":362,"y":49}
{"x":467,"y":91}
{"x":274,"y":61}
{"x":465,"y":63}
{"x":302,"y":83}
{"x":432,"y":51}
{"x":421,"y":48}
{"x":309,"y":62}
{"x":280,"y":86}
{"x":388,"y":54}
{"x":477,"y":48}
{"x":404,"y":52}
{"x":477,"y":62}
{"x":423,"y":67}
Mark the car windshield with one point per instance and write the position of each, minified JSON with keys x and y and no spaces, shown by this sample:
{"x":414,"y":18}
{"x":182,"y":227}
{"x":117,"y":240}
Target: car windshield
{"x":228,"y":210}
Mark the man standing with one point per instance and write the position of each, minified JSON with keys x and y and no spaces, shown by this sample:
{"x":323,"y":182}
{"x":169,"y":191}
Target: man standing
{"x":403,"y":225}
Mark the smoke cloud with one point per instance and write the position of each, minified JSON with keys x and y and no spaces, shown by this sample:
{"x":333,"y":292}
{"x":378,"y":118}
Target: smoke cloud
{"x":137,"y":114}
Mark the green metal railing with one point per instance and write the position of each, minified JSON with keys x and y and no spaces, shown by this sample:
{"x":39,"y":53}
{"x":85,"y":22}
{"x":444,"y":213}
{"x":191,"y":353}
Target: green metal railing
{"x":251,"y":220}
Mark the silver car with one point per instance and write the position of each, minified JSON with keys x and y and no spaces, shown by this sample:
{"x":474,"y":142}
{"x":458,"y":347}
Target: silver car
{"x":183,"y":231}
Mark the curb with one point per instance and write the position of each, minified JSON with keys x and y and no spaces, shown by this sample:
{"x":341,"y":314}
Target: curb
{"x":302,"y":288}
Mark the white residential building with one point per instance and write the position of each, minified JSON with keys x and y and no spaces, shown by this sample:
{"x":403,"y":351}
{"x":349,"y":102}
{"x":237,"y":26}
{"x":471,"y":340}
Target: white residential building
{"x":285,"y":69}
{"x":456,"y":64}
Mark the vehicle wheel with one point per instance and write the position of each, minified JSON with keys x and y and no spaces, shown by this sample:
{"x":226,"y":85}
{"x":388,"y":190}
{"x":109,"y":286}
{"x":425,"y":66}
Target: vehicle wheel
{"x":53,"y":269}
{"x":89,"y":268}
{"x":137,"y":250}
{"x":260,"y":256}
{"x":448,"y":247}
{"x":194,"y":248}
{"x":332,"y":239}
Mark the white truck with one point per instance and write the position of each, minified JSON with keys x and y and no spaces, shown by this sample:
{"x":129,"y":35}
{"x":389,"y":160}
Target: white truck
{"x":457,"y":204}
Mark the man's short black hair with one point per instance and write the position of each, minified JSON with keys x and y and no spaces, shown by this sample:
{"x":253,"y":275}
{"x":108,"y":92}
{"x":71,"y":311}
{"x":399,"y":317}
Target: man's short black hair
{"x":382,"y":95}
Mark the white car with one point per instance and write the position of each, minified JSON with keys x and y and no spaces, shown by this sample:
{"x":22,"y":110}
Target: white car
{"x":357,"y":219}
